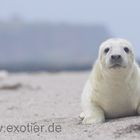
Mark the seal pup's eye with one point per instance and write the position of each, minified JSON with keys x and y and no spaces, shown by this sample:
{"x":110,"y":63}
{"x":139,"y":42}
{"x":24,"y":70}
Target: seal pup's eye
{"x":106,"y":50}
{"x":126,"y":49}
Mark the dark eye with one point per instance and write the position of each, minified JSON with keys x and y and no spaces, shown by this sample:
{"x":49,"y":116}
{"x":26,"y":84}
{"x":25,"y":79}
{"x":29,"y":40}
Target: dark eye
{"x":106,"y":50}
{"x":126,"y":50}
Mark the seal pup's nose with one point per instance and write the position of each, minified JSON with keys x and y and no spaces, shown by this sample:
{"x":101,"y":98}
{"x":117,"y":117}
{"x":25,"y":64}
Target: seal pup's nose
{"x":115,"y":57}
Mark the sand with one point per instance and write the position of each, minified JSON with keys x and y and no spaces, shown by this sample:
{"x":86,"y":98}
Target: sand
{"x":49,"y":104}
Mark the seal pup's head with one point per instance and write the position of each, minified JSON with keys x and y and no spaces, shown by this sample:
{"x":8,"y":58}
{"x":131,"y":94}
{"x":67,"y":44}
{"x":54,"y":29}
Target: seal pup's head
{"x":116,"y":55}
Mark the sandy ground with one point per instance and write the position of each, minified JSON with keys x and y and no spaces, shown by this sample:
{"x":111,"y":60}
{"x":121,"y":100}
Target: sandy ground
{"x":45,"y":106}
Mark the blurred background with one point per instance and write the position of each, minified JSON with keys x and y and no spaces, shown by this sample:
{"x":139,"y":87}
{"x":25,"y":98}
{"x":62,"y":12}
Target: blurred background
{"x":55,"y":35}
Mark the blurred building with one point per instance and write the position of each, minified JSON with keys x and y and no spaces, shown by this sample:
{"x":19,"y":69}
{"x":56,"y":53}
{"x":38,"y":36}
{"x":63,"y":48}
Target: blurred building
{"x":47,"y":46}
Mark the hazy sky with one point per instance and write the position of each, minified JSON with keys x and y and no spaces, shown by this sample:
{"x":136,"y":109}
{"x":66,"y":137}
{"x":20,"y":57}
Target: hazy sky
{"x":121,"y":16}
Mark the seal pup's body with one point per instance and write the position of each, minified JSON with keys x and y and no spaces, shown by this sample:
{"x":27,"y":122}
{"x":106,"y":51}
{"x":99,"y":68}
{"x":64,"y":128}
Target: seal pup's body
{"x":113,"y":88}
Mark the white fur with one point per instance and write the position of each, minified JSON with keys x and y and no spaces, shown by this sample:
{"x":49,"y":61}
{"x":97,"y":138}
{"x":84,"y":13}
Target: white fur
{"x":112,"y":92}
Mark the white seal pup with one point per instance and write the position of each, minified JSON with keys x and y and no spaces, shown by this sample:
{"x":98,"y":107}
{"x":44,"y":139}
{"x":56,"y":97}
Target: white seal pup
{"x":113,"y":88}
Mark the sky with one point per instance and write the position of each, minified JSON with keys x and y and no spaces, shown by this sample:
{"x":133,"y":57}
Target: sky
{"x":122,"y":17}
